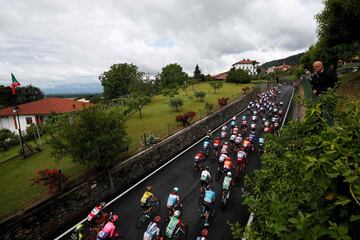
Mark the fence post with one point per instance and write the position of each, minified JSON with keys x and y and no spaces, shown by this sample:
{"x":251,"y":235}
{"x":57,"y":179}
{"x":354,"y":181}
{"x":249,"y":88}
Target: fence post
{"x":145,"y":142}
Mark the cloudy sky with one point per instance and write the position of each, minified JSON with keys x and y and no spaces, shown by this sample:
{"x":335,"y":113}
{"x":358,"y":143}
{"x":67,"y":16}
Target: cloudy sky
{"x":52,"y":42}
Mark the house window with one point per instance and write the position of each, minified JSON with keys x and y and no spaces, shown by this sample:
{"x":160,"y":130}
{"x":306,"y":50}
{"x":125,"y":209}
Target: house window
{"x":29,"y":120}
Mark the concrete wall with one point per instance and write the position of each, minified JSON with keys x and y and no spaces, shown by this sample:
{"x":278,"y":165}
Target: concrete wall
{"x":45,"y":220}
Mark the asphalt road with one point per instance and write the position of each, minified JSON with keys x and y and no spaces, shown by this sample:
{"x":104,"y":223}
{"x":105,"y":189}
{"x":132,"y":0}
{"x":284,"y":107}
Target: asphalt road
{"x":179,"y":173}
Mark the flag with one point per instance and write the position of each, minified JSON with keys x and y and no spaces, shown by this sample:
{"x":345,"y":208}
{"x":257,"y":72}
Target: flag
{"x":14,"y":84}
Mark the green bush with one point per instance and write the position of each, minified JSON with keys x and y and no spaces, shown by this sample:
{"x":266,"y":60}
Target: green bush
{"x":176,"y":104}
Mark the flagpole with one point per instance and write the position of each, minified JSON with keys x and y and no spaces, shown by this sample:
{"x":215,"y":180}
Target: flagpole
{"x":16,"y":111}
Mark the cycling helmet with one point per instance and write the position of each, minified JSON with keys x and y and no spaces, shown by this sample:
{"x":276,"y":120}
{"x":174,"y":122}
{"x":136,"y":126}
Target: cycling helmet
{"x":149,"y":188}
{"x":225,"y":143}
{"x":103,"y":204}
{"x":177,"y":213}
{"x":233,"y":118}
{"x":229,"y":174}
{"x":79,"y":227}
{"x":114,"y":218}
{"x":157,"y":219}
{"x":209,"y":131}
{"x":207,"y":168}
{"x":204,"y":232}
{"x":176,"y":189}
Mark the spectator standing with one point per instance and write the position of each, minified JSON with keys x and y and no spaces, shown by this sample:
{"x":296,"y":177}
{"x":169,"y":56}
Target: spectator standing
{"x":322,"y":78}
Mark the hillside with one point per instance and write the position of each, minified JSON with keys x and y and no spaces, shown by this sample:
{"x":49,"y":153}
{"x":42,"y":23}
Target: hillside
{"x":292,"y":60}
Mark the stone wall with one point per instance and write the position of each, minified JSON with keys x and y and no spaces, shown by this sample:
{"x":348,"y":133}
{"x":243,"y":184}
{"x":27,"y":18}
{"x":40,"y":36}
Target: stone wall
{"x":48,"y":218}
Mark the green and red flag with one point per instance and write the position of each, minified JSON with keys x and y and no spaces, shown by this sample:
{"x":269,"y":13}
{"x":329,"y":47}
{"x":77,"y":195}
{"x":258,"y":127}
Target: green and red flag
{"x":14,"y":84}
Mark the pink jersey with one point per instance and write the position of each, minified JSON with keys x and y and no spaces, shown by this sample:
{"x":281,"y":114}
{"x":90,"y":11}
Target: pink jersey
{"x":109,"y":229}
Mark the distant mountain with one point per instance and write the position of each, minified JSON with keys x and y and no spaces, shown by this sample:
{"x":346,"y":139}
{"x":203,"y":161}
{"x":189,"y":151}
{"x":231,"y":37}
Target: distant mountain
{"x":77,"y":88}
{"x":292,"y":60}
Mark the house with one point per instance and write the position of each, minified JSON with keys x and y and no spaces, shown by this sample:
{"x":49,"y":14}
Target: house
{"x":247,"y":65}
{"x":37,"y":112}
{"x":221,"y":76}
{"x":282,"y":68}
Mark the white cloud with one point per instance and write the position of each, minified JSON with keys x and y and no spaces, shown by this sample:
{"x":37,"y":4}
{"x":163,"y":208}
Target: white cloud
{"x":48,"y":42}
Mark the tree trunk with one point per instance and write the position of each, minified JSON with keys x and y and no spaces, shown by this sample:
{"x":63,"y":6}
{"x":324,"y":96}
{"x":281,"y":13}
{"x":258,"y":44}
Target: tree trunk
{"x":140,"y":112}
{"x":110,"y":180}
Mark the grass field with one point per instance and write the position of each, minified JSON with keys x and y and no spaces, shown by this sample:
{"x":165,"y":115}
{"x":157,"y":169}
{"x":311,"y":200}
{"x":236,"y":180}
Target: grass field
{"x":16,"y":189}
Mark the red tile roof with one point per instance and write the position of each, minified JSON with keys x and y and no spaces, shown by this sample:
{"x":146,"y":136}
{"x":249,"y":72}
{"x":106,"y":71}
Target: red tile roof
{"x":46,"y":106}
{"x":245,"y":61}
{"x":221,"y":76}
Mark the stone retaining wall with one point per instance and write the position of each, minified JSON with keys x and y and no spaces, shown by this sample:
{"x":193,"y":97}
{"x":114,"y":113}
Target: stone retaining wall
{"x":48,"y":218}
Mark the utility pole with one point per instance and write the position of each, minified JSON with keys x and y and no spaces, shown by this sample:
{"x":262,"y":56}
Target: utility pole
{"x":16,"y":111}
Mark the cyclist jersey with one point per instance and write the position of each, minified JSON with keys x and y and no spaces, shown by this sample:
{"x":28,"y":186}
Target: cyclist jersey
{"x":224,"y":128}
{"x":254,"y":118}
{"x":246,"y":143}
{"x":267,"y":129}
{"x":273,"y":119}
{"x":232,"y":137}
{"x":146,"y":196}
{"x":253,"y":125}
{"x":172,"y":200}
{"x":152,"y":231}
{"x":174,"y":221}
{"x":261,"y":140}
{"x":222,"y":158}
{"x":238,"y":140}
{"x":217,"y":142}
{"x":209,"y":196}
{"x":107,"y":231}
{"x":200,"y":238}
{"x":223,"y":134}
{"x":228,"y":164}
{"x":276,"y":124}
{"x":241,"y":155}
{"x":227,"y":183}
{"x":251,"y":137}
{"x":205,"y":175}
{"x":244,"y":123}
{"x":224,"y":149}
{"x":235,"y":130}
{"x":93,"y":213}
{"x":206,"y":144}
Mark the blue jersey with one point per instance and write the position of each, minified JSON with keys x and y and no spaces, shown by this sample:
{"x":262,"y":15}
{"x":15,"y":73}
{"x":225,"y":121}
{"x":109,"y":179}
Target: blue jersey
{"x":209,"y":196}
{"x":261,"y":140}
{"x":252,"y":137}
{"x":206,"y":143}
{"x":172,"y":200}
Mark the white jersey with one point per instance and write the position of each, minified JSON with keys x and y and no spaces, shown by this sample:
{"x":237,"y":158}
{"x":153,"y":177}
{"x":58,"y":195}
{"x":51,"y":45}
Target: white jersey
{"x":238,"y":140}
{"x":232,"y":137}
{"x":222,"y":157}
{"x":224,"y":149}
{"x":223,"y":134}
{"x":205,"y":175}
{"x":152,"y":231}
{"x":224,"y":128}
{"x":253,"y":125}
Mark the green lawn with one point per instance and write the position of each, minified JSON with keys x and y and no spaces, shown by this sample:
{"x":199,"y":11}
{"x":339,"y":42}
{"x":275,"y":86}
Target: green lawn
{"x":161,"y":118}
{"x":16,"y":189}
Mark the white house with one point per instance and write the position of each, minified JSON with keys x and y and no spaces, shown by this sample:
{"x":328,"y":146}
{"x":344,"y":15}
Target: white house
{"x":247,"y":65}
{"x":36,"y":112}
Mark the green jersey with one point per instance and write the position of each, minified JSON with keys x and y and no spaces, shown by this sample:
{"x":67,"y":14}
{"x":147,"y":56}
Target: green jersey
{"x":227,"y":183}
{"x":171,"y":226}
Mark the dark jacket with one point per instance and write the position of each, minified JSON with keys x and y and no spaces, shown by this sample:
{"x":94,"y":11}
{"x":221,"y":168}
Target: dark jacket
{"x":324,"y":80}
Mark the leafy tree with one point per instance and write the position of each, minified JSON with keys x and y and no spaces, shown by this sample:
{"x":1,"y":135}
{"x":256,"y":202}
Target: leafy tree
{"x":28,"y":94}
{"x":185,"y":118}
{"x":208,"y":107}
{"x":6,"y":97}
{"x":198,"y":75}
{"x":54,"y":179}
{"x":238,"y":76}
{"x":223,"y":101}
{"x":185,"y":86}
{"x":172,"y":77}
{"x":176,"y":104}
{"x":216,"y":85}
{"x":308,"y":186}
{"x":117,"y":80}
{"x":6,"y":137}
{"x":138,"y":102}
{"x":95,"y":136}
{"x":200,"y":95}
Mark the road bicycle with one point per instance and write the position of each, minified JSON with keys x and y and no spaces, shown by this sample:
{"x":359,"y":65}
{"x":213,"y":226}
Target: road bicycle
{"x":225,"y":196}
{"x":145,"y":216}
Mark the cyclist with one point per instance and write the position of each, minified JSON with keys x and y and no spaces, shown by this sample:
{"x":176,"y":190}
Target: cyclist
{"x":253,"y":127}
{"x":261,"y":142}
{"x":209,"y":135}
{"x":246,"y":144}
{"x":208,"y":202}
{"x":225,"y":148}
{"x":204,"y":234}
{"x":173,"y":225}
{"x":217,"y":143}
{"x":241,"y":159}
{"x":227,"y":184}
{"x":173,"y":200}
{"x":232,"y":138}
{"x":206,"y":145}
{"x":244,"y":118}
{"x":232,"y":123}
{"x":235,"y":130}
{"x":238,"y":140}
{"x":109,"y":230}
{"x":198,"y":158}
{"x":205,"y":177}
{"x":228,"y":165}
{"x":95,"y":214}
{"x":153,"y":230}
{"x":146,"y":199}
{"x":223,"y":134}
{"x":224,"y":128}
